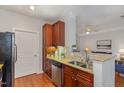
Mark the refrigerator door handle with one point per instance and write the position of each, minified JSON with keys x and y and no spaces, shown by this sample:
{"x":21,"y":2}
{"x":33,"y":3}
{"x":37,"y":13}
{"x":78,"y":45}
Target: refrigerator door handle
{"x":15,"y":52}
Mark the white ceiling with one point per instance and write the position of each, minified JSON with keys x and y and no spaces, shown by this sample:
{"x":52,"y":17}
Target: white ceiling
{"x":101,"y":17}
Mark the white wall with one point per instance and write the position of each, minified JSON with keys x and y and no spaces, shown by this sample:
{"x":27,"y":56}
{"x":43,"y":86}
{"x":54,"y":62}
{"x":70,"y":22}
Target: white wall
{"x":10,"y":20}
{"x":116,"y":35}
{"x":70,"y":30}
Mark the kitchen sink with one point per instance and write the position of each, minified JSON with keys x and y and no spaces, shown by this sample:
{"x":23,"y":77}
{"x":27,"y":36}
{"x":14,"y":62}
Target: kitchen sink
{"x":76,"y":63}
{"x":80,"y":64}
{"x":84,"y":66}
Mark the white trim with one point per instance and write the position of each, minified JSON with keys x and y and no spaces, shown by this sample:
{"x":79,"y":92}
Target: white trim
{"x":23,"y":30}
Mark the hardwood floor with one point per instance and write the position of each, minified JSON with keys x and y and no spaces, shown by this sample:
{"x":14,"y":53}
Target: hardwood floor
{"x":42,"y":80}
{"x":35,"y":80}
{"x":119,"y":81}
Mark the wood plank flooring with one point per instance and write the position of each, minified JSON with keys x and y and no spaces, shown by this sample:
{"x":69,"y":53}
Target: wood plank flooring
{"x":42,"y":80}
{"x":119,"y":81}
{"x":35,"y":80}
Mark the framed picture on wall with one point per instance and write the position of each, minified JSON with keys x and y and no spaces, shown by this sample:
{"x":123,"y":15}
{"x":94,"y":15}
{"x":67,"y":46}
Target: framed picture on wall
{"x":104,"y":44}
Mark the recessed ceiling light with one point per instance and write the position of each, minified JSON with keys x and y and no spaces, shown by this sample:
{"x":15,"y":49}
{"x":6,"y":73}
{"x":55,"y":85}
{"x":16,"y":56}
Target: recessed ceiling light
{"x":32,"y":7}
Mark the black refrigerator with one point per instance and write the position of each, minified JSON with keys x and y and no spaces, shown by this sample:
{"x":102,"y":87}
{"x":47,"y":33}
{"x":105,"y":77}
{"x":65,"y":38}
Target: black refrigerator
{"x":7,"y":57}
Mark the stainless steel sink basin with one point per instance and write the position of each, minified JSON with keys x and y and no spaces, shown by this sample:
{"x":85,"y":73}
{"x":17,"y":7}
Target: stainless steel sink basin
{"x":84,"y":66}
{"x":80,"y":64}
{"x":76,"y":63}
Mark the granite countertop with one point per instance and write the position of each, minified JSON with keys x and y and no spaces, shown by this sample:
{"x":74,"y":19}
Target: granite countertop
{"x":93,"y":56}
{"x":101,"y":57}
{"x":1,"y":65}
{"x":66,"y":60}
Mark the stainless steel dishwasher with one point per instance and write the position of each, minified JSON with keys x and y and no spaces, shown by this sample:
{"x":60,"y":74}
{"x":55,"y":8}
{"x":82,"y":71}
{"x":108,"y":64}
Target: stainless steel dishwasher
{"x":57,"y":73}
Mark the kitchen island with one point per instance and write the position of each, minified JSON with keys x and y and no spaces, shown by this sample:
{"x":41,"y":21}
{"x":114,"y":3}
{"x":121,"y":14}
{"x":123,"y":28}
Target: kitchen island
{"x":102,"y":73}
{"x":104,"y":70}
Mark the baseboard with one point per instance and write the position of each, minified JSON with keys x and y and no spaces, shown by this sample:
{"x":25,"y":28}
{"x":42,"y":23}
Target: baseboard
{"x":38,"y":72}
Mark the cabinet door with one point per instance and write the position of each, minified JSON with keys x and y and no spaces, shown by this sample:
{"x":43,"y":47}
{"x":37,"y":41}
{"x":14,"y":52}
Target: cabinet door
{"x":47,"y":35}
{"x":68,"y":80}
{"x":69,"y":76}
{"x":62,"y":33}
{"x":56,"y":34}
{"x":59,"y":34}
{"x":48,"y":68}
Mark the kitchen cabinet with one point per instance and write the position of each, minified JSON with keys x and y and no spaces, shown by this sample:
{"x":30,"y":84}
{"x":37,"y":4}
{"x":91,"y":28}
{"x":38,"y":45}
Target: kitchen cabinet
{"x":68,"y":80}
{"x":68,"y":76}
{"x":59,"y":33}
{"x":53,"y":35}
{"x":84,"y":79}
{"x":48,"y":68}
{"x":76,"y":78}
{"x":47,"y":41}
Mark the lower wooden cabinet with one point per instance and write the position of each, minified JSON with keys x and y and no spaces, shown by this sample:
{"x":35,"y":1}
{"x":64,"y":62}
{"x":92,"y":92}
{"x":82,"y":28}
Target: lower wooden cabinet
{"x":48,"y":68}
{"x":76,"y":78}
{"x":84,"y":79}
{"x":68,"y":81}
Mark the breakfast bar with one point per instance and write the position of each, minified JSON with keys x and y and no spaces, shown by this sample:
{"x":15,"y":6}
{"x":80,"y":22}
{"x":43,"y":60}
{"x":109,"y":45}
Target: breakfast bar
{"x":104,"y":70}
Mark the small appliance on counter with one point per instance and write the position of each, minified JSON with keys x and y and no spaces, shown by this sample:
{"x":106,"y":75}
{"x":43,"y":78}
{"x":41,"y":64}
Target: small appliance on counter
{"x":57,"y":52}
{"x":61,"y":51}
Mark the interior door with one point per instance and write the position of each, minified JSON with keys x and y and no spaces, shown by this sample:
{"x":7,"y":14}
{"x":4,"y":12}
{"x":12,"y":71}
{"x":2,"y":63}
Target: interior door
{"x":26,"y":53}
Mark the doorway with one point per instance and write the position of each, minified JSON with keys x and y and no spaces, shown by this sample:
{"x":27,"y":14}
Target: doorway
{"x":27,"y":56}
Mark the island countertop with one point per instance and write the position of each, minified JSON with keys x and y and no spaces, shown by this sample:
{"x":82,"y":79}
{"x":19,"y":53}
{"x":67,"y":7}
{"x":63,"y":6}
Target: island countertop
{"x":66,"y":60}
{"x":101,"y":57}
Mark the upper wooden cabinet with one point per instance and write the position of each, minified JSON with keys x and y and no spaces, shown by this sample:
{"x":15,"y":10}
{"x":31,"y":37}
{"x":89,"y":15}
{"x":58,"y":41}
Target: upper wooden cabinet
{"x":59,"y":33}
{"x":47,"y":35}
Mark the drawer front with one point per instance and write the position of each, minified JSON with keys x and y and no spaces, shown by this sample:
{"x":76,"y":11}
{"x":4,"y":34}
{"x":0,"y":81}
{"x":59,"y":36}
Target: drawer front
{"x":85,"y":76}
{"x":68,"y":69}
{"x":83,"y":83}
